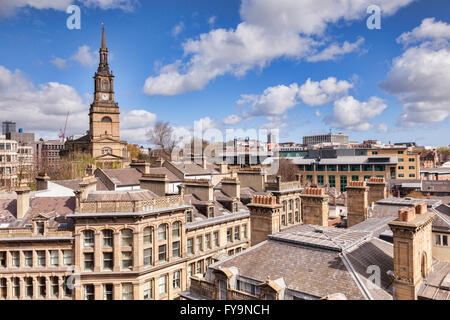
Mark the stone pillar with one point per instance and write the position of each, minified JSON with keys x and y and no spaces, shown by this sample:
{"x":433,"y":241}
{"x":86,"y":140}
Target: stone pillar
{"x":315,"y":209}
{"x":138,"y":257}
{"x":117,"y":291}
{"x":117,"y":253}
{"x":98,"y":291}
{"x":97,"y":252}
{"x":357,"y":210}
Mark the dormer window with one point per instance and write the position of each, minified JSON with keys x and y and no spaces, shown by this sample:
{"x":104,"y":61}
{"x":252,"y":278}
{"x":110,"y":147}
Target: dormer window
{"x":210,"y":212}
{"x":235,"y":207}
{"x":40,"y":228}
{"x":189,"y":216}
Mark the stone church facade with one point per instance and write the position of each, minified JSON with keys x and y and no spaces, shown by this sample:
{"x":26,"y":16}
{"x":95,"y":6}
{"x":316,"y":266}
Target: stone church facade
{"x":102,"y":140}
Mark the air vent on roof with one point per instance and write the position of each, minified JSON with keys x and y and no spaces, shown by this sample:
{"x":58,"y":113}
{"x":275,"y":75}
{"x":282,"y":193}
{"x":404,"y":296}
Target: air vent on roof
{"x":318,"y":230}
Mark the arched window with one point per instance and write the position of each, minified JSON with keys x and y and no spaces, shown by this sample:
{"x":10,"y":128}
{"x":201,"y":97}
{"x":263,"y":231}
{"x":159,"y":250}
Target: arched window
{"x":148,"y":235}
{"x":108,"y":239}
{"x":88,"y":239}
{"x":106,"y":119}
{"x":127,"y":238}
{"x":176,"y":229}
{"x":162,"y":232}
{"x":104,"y":85}
{"x":106,"y":150}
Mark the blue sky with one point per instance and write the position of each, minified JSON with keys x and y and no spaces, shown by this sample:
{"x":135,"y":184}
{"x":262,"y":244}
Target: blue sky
{"x":233,"y":64}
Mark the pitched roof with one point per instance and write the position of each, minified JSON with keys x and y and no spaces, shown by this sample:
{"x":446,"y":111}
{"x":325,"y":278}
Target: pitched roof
{"x":132,"y":195}
{"x":123,"y":177}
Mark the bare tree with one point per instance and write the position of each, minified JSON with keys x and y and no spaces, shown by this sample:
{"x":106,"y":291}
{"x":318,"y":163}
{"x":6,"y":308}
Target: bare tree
{"x":161,"y":135}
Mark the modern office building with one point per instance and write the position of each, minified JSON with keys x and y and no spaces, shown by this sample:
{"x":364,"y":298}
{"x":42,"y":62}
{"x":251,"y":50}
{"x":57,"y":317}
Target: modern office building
{"x":337,"y":138}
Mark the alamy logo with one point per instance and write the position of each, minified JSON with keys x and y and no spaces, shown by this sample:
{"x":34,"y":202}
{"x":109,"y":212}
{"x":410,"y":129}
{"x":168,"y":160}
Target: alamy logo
{"x":374,"y":20}
{"x":74,"y":20}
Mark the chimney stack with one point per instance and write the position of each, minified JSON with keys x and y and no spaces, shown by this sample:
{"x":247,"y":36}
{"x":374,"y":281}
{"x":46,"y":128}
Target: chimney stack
{"x":157,"y":183}
{"x":314,"y":206}
{"x":232,"y":187}
{"x":42,"y":181}
{"x":23,"y":201}
{"x":357,"y":199}
{"x":141,"y":166}
{"x":377,"y":189}
{"x":202,"y":188}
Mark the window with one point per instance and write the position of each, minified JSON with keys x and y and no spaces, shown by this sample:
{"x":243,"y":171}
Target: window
{"x":41,"y":258}
{"x":127,"y":291}
{"x":320,"y":179}
{"x":108,"y":292}
{"x":176,"y":230}
{"x":107,"y":238}
{"x":89,"y":261}
{"x":189,"y":216}
{"x":216,"y":239}
{"x":290,"y":218}
{"x":176,"y":279}
{"x":148,"y":235}
{"x":320,"y":167}
{"x":412,"y":175}
{"x":355,"y":178}
{"x":199,"y":269}
{"x":67,"y":290}
{"x":283,"y":220}
{"x":42,"y":290}
{"x":127,"y":237}
{"x":237,"y":233}
{"x":235,"y":207}
{"x":400,"y":160}
{"x":29,"y":287}
{"x":411,"y":167}
{"x":190,"y":246}
{"x":199,"y":243}
{"x":211,"y":212}
{"x":401,"y":175}
{"x":88,"y":239}
{"x":441,"y":240}
{"x":176,"y":252}
{"x":147,"y":257}
{"x":190,"y":270}
{"x":343,"y":167}
{"x":54,"y":286}
{"x":162,"y":256}
{"x":367,"y":167}
{"x":400,"y":152}
{"x":366,"y":177}
{"x":411,"y":159}
{"x":208,"y":241}
{"x":28,"y":255}
{"x":290,"y":205}
{"x":401,"y":167}
{"x":380,"y":167}
{"x":148,"y":290}
{"x":40,"y":227}
{"x":162,"y":285}
{"x":343,"y":183}
{"x":127,"y":260}
{"x":331,"y":167}
{"x":67,"y":257}
{"x":106,"y":150}
{"x":54,"y":258}
{"x":3,"y":259}
{"x":162,"y":234}
{"x":229,"y":235}
{"x":309,"y":177}
{"x":296,"y":216}
{"x":296,"y":203}
{"x":355,"y":167}
{"x":16,"y":287}
{"x":3,"y":289}
{"x":332,"y":181}
{"x":108,"y":261}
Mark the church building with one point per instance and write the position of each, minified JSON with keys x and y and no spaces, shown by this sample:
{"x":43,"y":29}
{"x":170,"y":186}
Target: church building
{"x":102,"y":140}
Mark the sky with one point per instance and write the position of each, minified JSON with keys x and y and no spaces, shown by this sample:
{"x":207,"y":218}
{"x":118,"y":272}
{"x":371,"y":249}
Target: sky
{"x":301,"y":66}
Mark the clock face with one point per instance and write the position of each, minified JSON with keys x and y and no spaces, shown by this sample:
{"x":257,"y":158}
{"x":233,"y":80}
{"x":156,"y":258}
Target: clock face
{"x":104,"y":96}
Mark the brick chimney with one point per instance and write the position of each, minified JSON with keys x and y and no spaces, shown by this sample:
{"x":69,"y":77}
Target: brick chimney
{"x":42,"y":181}
{"x":23,"y":201}
{"x":232,"y":187}
{"x":141,"y":166}
{"x":377,"y":189}
{"x":315,"y":209}
{"x":357,"y":200}
{"x":412,"y":249}
{"x":202,"y":188}
{"x":87,"y":185}
{"x":157,"y":183}
{"x":223,"y":167}
{"x":264,"y":217}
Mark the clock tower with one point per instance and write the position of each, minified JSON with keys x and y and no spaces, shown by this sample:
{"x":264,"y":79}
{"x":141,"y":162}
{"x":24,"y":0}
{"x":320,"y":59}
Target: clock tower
{"x":104,"y":111}
{"x":102,"y":140}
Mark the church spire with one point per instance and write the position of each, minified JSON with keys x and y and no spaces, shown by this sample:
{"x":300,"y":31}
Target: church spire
{"x":103,"y":38}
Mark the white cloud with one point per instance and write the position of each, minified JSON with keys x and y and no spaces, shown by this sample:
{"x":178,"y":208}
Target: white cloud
{"x":232,"y":119}
{"x":10,"y":7}
{"x":134,"y":125}
{"x":351,"y":114}
{"x":334,"y":51}
{"x":318,"y":113}
{"x":420,"y":77}
{"x":429,"y":29}
{"x":85,"y":56}
{"x":212,"y":20}
{"x":176,"y":30}
{"x":270,"y":30}
{"x":382,"y":128}
{"x":316,"y":93}
{"x":59,"y":62}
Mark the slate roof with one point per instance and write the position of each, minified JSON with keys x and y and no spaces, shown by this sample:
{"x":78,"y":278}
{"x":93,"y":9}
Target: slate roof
{"x":73,"y":184}
{"x":123,"y":177}
{"x":436,"y":285}
{"x":131,"y":195}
